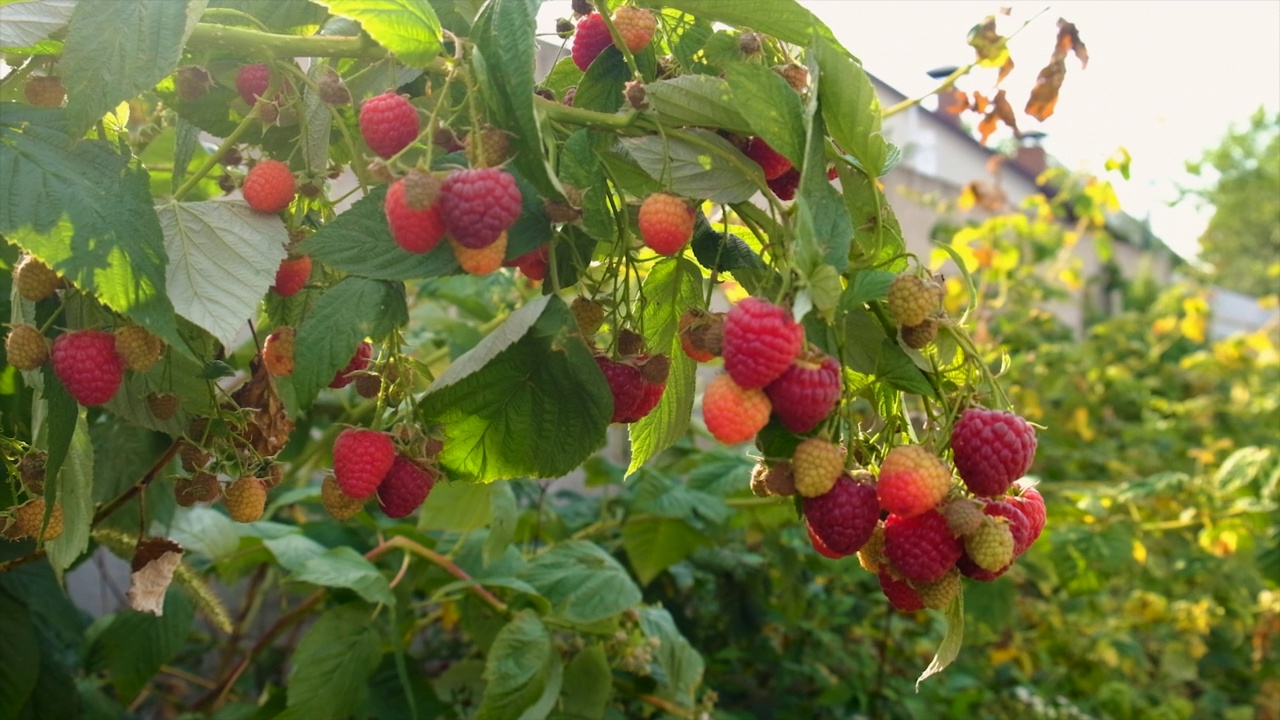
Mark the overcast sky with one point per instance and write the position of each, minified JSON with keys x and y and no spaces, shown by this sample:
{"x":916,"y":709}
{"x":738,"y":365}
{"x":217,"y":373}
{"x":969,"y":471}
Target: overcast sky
{"x":1165,"y":79}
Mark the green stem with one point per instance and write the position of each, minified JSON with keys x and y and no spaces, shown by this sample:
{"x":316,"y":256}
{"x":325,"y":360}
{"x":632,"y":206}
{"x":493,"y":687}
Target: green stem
{"x":580,"y":116}
{"x":213,"y":159}
{"x":251,"y":43}
{"x":233,"y":14}
{"x":621,"y":44}
{"x":945,"y":84}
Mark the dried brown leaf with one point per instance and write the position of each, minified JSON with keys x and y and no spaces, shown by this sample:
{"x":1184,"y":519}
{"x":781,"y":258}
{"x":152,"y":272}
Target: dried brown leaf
{"x":1044,"y":96}
{"x":1069,"y":40}
{"x":154,"y":563}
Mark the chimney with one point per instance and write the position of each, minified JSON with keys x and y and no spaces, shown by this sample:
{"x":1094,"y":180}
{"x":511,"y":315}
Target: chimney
{"x":1030,"y":155}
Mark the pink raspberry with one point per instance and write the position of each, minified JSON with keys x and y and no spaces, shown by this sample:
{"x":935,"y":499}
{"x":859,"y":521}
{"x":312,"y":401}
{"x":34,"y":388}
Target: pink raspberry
{"x":252,"y":81}
{"x":786,"y":184}
{"x":844,"y":518}
{"x":760,"y":342}
{"x":589,"y":40}
{"x":773,"y":163}
{"x":417,"y":231}
{"x":359,"y":361}
{"x":921,"y":548}
{"x":912,"y":481}
{"x":361,"y":459}
{"x":806,"y":393}
{"x":1031,"y":503}
{"x":992,"y":449}
{"x":389,"y":123}
{"x":478,"y":205}
{"x":901,"y":595}
{"x":404,"y":488}
{"x":87,"y":365}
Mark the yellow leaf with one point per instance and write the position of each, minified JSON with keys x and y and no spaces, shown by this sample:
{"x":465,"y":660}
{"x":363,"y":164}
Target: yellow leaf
{"x":1193,"y":327}
{"x":1139,"y":552}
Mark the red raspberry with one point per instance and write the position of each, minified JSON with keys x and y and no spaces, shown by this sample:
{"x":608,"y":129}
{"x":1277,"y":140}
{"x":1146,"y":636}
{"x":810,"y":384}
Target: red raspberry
{"x":277,"y":351}
{"x":912,"y":481}
{"x":388,"y":123}
{"x":86,"y":364}
{"x":901,"y":595}
{"x":821,"y":546}
{"x":991,"y":449}
{"x":479,"y":205}
{"x":650,"y":396}
{"x":480,"y":261}
{"x":252,"y":81}
{"x":733,"y":413}
{"x":921,"y":548}
{"x":361,"y":459}
{"x":666,"y":223}
{"x":292,"y":275}
{"x":625,"y":383}
{"x":702,"y":334}
{"x":970,"y":569}
{"x":806,"y":392}
{"x":359,"y":361}
{"x":1031,"y":503}
{"x":844,"y":518}
{"x":404,"y":488}
{"x":532,"y":264}
{"x":417,"y":231}
{"x":760,"y":342}
{"x":785,"y":185}
{"x":25,"y":348}
{"x":589,"y":40}
{"x":269,"y":187}
{"x":1018,"y":523}
{"x":635,"y":26}
{"x":773,"y":163}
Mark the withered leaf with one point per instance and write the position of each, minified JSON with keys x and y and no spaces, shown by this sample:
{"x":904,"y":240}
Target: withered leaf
{"x":1044,"y":96}
{"x":957,"y":103}
{"x":1005,"y":70}
{"x":268,"y":426}
{"x":980,"y":102}
{"x":154,"y":563}
{"x":1001,"y":112}
{"x":988,"y":44}
{"x":1069,"y":40}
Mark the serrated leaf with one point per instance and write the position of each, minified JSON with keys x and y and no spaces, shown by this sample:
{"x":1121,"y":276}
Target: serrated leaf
{"x":588,"y":684}
{"x":602,"y":85}
{"x":115,"y":50}
{"x":28,"y":23}
{"x":897,"y":369}
{"x":865,"y":286}
{"x":583,"y":583}
{"x":19,"y":655}
{"x":784,"y":19}
{"x":951,"y":642}
{"x":700,"y":100}
{"x":359,"y":242}
{"x":655,"y":544}
{"x":75,"y":494}
{"x":503,"y":514}
{"x":457,"y":506}
{"x":697,"y":164}
{"x":850,"y":107}
{"x":344,"y":567}
{"x":681,"y":664}
{"x":347,"y":313}
{"x":316,"y":123}
{"x":331,"y":664}
{"x":775,"y":114}
{"x":528,"y":400}
{"x":877,"y":236}
{"x":134,"y":645}
{"x":222,"y":258}
{"x":516,"y":668}
{"x":408,"y":28}
{"x":580,"y":168}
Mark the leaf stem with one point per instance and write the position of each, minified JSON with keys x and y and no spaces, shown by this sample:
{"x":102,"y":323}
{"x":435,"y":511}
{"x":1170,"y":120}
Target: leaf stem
{"x":213,"y":159}
{"x":581,"y":116}
{"x":246,"y":42}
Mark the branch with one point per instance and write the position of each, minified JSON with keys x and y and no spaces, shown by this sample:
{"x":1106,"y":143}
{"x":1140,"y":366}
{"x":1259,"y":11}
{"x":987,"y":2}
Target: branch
{"x":251,"y":43}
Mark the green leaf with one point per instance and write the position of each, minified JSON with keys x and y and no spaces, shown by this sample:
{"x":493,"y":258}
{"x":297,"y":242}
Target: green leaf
{"x":823,"y":226}
{"x":408,"y":28}
{"x":516,"y":669}
{"x":701,"y":100}
{"x":580,"y":168}
{"x":19,"y":655}
{"x":222,"y":258}
{"x":673,"y":286}
{"x":680,"y":663}
{"x":316,"y":123}
{"x":75,"y":493}
{"x":584,"y":583}
{"x":503,"y":515}
{"x":850,"y":107}
{"x":351,"y":310}
{"x":698,"y":164}
{"x":601,"y":86}
{"x":775,"y":114}
{"x":528,"y":400}
{"x":865,"y":286}
{"x":897,"y":369}
{"x":206,"y":532}
{"x":877,"y":237}
{"x":133,"y":645}
{"x":655,"y":544}
{"x":26,"y":24}
{"x":358,"y":241}
{"x":332,"y":662}
{"x":950,"y":647}
{"x":588,"y":684}
{"x":59,"y":426}
{"x":457,"y":507}
{"x":100,"y":70}
{"x":783,"y":19}
{"x":346,"y":568}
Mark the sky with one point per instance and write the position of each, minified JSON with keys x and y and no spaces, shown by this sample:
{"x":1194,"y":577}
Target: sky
{"x":1165,"y":80}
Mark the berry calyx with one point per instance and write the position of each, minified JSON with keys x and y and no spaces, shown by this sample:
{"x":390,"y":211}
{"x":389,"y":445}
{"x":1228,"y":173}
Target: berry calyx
{"x":589,"y":40}
{"x":361,"y":459}
{"x":666,"y":223}
{"x":86,"y":363}
{"x":292,"y":275}
{"x":635,"y":26}
{"x":479,"y":205}
{"x":25,"y":348}
{"x":912,"y":481}
{"x":269,"y":187}
{"x":388,"y":123}
{"x":992,"y":449}
{"x":358,"y":362}
{"x":404,"y":488}
{"x":734,"y":414}
{"x":806,"y":393}
{"x":415,"y":230}
{"x":760,"y":342}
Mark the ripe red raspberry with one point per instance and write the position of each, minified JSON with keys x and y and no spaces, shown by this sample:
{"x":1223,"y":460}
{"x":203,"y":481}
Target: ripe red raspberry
{"x":532,"y":264}
{"x":34,"y":280}
{"x":1031,"y":503}
{"x":359,"y":361}
{"x":901,"y":595}
{"x":269,"y":187}
{"x":252,"y":81}
{"x":844,"y":518}
{"x":417,"y":231}
{"x":292,"y":275}
{"x":589,"y":40}
{"x":992,"y":449}
{"x":479,"y":204}
{"x":361,"y":459}
{"x":733,"y":413}
{"x":86,"y":364}
{"x":912,"y":481}
{"x":625,"y":383}
{"x":388,"y":123}
{"x":650,"y":396}
{"x":277,"y":351}
{"x":1019,"y":526}
{"x":912,"y":299}
{"x":635,"y":26}
{"x":340,"y":505}
{"x":404,"y":488}
{"x":666,"y":223}
{"x":806,"y":392}
{"x":921,"y":548}
{"x":773,"y":163}
{"x":137,"y":348}
{"x":821,"y":546}
{"x":760,"y":342}
{"x":702,"y":334}
{"x":785,"y":185}
{"x":246,"y":499}
{"x":25,"y":348}
{"x":480,"y":261}
{"x":817,"y":464}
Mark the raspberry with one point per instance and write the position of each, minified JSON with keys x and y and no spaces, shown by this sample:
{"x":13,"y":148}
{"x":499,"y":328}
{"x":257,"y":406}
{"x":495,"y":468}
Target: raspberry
{"x":589,"y":40}
{"x":479,"y":205}
{"x":821,"y":546}
{"x":28,"y":519}
{"x":491,"y":146}
{"x":785,"y":185}
{"x":795,"y":75}
{"x":31,"y":470}
{"x":938,"y":594}
{"x":417,"y":231}
{"x":912,"y":299}
{"x":919,"y":336}
{"x":421,"y":189}
{"x":389,"y":123}
{"x":246,"y":499}
{"x":963,"y":516}
{"x":202,"y":487}
{"x":817,"y":464}
{"x":901,"y":595}
{"x":991,"y":449}
{"x":1019,"y":526}
{"x":162,"y":406}
{"x":277,"y":351}
{"x":760,"y":342}
{"x":748,"y":43}
{"x":636,"y":94}
{"x":404,"y":488}
{"x":625,"y":383}
{"x":26,"y":348}
{"x":269,"y":187}
{"x":773,"y":163}
{"x":340,"y":505}
{"x":666,"y":223}
{"x":871,"y":556}
{"x":533,"y":264}
{"x":921,"y":548}
{"x":806,"y":392}
{"x":845,"y":517}
{"x":86,"y":364}
{"x":138,"y":348}
{"x":702,"y":334}
{"x":35,"y":280}
{"x":332,"y":90}
{"x":1031,"y":503}
{"x":192,"y":82}
{"x":361,"y":459}
{"x":252,"y":81}
{"x":970,"y":569}
{"x":588,"y":313}
{"x":635,"y":26}
{"x":368,"y":386}
{"x":193,"y":457}
{"x":733,"y":413}
{"x":292,"y":275}
{"x":780,"y":479}
{"x":990,"y":546}
{"x":912,"y":481}
{"x":45,"y":91}
{"x":480,"y":261}
{"x":359,"y":361}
